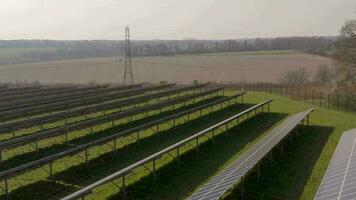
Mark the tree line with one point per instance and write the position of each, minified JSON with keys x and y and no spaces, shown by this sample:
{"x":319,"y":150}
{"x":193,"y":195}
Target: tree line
{"x":341,"y":76}
{"x":22,"y":51}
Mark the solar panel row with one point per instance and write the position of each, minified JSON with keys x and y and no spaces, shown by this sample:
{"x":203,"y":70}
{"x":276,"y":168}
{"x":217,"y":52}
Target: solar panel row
{"x":40,"y":100}
{"x":38,"y":121}
{"x":339,"y":182}
{"x":41,"y":162}
{"x":11,"y":95}
{"x":233,"y":173}
{"x":152,"y":158}
{"x":69,"y":104}
{"x":64,"y":96}
{"x":6,"y":88}
{"x":18,"y":141}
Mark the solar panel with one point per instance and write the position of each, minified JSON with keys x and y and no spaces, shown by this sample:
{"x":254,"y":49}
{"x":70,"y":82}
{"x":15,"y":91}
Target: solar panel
{"x":81,"y":92}
{"x":43,"y":161}
{"x":339,"y":182}
{"x":73,"y":103}
{"x":39,"y":120}
{"x":62,"y":130}
{"x":227,"y":178}
{"x":127,"y":170}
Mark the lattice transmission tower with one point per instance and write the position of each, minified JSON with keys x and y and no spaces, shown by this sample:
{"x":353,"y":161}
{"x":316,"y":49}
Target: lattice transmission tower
{"x":128,"y":73}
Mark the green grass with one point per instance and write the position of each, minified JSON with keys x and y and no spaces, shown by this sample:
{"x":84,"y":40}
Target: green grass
{"x":294,"y":175}
{"x":328,"y":125}
{"x":36,"y":180}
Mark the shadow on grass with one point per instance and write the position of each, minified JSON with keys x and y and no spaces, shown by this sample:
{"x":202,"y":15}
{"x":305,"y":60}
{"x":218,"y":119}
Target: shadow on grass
{"x":110,"y":162}
{"x":178,"y":181}
{"x":48,"y":191}
{"x":44,"y":152}
{"x":286,"y":177}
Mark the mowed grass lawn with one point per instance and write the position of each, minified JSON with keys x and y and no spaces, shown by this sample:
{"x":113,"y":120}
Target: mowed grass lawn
{"x":298,"y":172}
{"x":294,"y":175}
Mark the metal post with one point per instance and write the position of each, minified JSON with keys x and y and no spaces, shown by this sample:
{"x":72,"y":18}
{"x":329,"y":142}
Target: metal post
{"x":50,"y":171}
{"x":115,"y":146}
{"x":258,"y":171}
{"x":213,"y":136}
{"x":6,"y":188}
{"x":178,"y":161}
{"x":154,"y":170}
{"x":123,"y":187}
{"x":271,"y":156}
{"x":36,"y":145}
{"x":138,"y":137}
{"x":66,"y":136}
{"x":197,"y":144}
{"x":282,"y":148}
{"x":242,"y":188}
{"x":292,"y":92}
{"x":86,"y":155}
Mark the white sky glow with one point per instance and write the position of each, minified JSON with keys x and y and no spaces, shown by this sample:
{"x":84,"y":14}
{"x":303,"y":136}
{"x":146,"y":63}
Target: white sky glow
{"x":171,"y":19}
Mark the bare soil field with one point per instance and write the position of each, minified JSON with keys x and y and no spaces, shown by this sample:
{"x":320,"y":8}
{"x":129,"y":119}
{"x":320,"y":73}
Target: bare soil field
{"x":222,"y":67}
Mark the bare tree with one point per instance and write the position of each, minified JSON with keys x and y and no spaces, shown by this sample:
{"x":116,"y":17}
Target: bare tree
{"x":325,"y":74}
{"x":345,"y":53}
{"x":295,"y":77}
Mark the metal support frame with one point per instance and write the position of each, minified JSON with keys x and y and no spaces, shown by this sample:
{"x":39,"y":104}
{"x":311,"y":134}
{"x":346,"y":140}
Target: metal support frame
{"x":114,"y":147}
{"x":5,"y":188}
{"x":242,"y":188}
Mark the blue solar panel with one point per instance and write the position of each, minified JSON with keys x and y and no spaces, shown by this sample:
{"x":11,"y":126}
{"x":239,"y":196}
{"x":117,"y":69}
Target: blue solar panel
{"x":228,"y":177}
{"x":339,"y":182}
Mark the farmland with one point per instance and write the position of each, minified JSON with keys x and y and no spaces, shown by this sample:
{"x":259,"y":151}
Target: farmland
{"x":264,"y":66}
{"x":177,"y":100}
{"x":109,"y":138}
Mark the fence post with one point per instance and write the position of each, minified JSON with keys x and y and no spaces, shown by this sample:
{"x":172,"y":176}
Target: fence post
{"x":312,"y":96}
{"x":348,"y":107}
{"x":337,"y":102}
{"x":352,"y":102}
{"x":292,"y":92}
{"x":305,"y":95}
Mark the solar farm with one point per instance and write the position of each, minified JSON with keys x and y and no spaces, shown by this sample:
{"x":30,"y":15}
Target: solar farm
{"x":170,"y":141}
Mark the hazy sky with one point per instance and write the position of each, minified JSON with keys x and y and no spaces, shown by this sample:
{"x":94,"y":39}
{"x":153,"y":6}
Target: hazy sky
{"x":171,"y":19}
